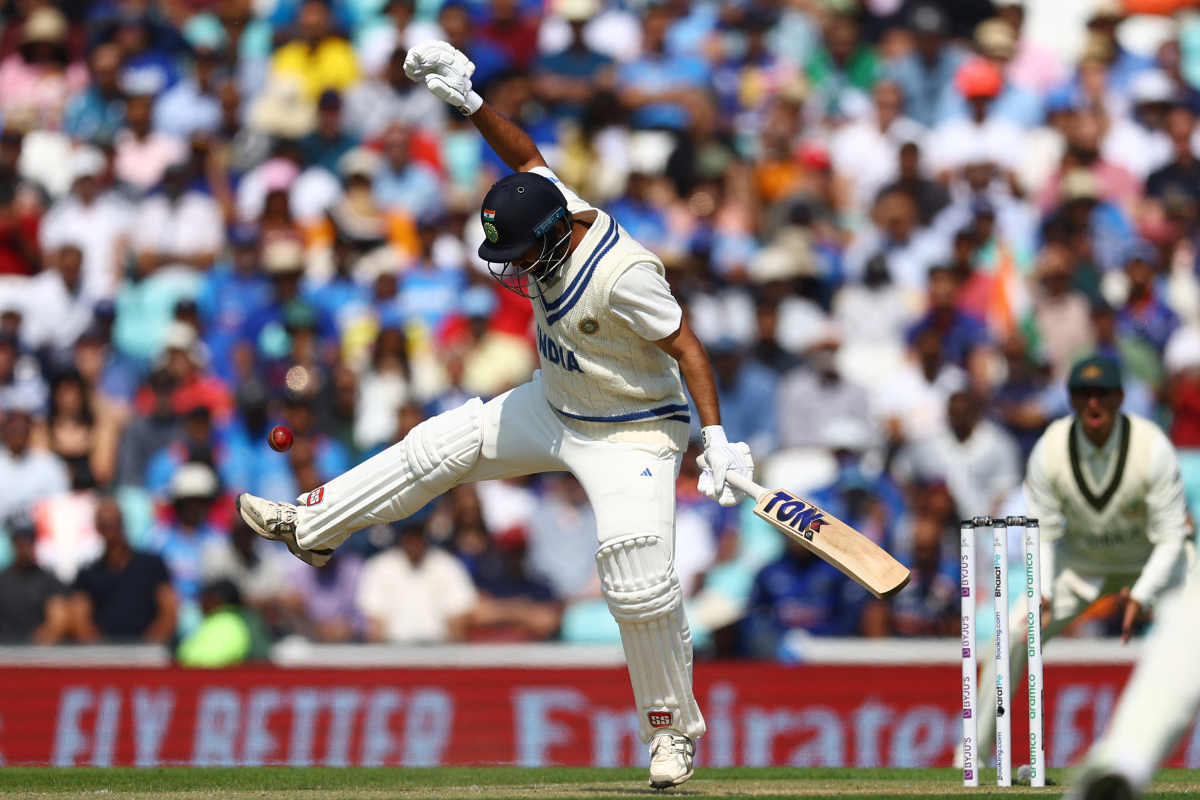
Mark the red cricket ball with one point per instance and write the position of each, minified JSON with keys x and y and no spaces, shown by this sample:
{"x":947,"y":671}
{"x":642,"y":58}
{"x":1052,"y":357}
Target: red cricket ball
{"x":280,"y":438}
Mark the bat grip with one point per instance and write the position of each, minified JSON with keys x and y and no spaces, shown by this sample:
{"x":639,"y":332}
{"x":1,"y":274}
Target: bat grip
{"x":752,"y":489}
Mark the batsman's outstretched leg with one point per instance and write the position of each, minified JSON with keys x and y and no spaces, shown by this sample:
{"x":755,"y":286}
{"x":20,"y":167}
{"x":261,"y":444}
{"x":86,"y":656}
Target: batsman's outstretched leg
{"x":432,"y":459}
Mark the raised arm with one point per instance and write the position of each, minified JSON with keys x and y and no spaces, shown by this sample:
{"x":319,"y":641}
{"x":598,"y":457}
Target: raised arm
{"x":512,"y":144}
{"x":446,"y":72}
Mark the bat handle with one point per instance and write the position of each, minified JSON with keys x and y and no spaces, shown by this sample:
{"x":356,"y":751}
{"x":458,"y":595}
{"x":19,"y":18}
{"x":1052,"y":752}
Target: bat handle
{"x":752,"y":489}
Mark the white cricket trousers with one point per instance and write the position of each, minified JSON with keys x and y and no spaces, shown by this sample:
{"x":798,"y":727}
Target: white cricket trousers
{"x":631,"y":488}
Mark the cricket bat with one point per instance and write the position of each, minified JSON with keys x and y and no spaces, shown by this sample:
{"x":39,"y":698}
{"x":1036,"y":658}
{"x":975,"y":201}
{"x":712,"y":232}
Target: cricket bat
{"x":827,"y":536}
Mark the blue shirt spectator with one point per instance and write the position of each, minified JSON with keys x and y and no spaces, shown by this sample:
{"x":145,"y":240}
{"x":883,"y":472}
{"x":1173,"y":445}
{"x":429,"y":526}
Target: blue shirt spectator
{"x":234,"y":296}
{"x":746,"y":392}
{"x":651,"y":85}
{"x":800,"y":592}
{"x":180,"y":541}
{"x":959,"y":333}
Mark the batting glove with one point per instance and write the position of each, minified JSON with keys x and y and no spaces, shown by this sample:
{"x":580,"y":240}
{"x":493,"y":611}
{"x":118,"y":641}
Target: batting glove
{"x":718,"y":458}
{"x":446,"y":72}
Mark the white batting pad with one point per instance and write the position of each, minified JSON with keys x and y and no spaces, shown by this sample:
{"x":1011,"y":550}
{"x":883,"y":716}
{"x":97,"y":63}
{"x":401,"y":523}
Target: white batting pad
{"x":638,"y":580}
{"x":397,"y":482}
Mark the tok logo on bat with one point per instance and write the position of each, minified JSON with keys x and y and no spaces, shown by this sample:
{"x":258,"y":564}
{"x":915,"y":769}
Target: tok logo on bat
{"x":796,"y":514}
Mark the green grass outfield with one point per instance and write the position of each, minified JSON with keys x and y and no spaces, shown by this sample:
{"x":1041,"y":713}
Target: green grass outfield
{"x":276,"y":783}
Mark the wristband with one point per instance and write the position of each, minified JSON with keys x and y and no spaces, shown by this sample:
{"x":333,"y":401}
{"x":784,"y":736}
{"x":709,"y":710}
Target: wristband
{"x":473,"y":103}
{"x":712,"y":436}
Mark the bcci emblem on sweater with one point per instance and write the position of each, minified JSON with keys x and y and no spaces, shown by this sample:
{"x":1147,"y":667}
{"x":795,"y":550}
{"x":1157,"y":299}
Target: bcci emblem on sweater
{"x":588,"y":326}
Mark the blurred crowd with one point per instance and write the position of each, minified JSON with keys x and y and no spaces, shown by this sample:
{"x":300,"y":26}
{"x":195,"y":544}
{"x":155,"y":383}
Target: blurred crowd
{"x":895,"y":224}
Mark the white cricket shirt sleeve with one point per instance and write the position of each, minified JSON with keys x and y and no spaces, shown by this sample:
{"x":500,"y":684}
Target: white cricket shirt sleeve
{"x":1167,"y":528}
{"x":643,"y":300}
{"x":579,"y":208}
{"x":1044,"y":506}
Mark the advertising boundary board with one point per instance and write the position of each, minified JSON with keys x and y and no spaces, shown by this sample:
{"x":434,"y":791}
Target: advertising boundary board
{"x":758,"y":715}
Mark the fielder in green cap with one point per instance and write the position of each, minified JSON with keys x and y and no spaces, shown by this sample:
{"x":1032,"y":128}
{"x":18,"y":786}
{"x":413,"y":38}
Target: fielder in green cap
{"x":1106,"y":488}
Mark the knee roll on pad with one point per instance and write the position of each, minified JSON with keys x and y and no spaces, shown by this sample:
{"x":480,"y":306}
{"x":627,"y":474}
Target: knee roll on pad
{"x":638,"y":580}
{"x":400,"y":480}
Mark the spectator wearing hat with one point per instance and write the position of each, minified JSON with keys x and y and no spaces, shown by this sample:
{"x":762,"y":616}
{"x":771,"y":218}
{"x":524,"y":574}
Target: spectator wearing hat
{"x":181,"y":539}
{"x":28,"y":472}
{"x":192,"y":104}
{"x":283,"y":262}
{"x":1144,"y":315}
{"x":142,"y":154}
{"x":817,"y":391}
{"x":125,"y":595}
{"x":179,"y":228}
{"x":326,"y":145}
{"x":96,"y":111}
{"x":415,"y":592}
{"x":36,"y":80}
{"x":927,"y":72}
{"x":379,"y":238}
{"x":184,"y":360}
{"x":566,"y":81}
{"x":1033,"y":67}
{"x":317,"y":57}
{"x":1122,"y":65}
{"x":978,"y":136}
{"x":996,"y":41}
{"x":33,"y":605}
{"x":91,"y":218}
{"x":372,"y":106}
{"x":1140,"y":141}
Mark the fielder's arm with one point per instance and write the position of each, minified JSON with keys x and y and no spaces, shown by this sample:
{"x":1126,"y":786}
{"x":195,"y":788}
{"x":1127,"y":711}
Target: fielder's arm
{"x":684,"y":347}
{"x":512,"y":144}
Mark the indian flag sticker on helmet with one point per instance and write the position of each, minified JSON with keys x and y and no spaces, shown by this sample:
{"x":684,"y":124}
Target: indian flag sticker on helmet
{"x":489,"y":230}
{"x":489,"y":215}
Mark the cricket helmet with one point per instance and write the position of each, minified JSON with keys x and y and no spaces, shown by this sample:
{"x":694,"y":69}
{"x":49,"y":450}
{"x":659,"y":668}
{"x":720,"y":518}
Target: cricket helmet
{"x":520,"y":212}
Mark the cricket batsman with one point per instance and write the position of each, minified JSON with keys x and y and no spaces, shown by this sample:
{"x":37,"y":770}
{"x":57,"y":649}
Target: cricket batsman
{"x":1107,"y":491}
{"x":607,"y":405}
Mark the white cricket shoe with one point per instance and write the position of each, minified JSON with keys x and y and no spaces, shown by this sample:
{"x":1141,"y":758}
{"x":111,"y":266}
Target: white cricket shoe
{"x":670,"y":760}
{"x":278,"y":521}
